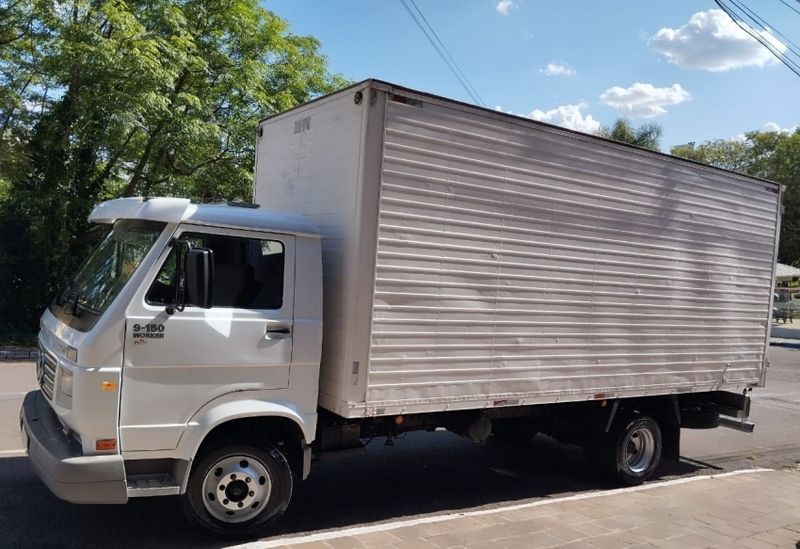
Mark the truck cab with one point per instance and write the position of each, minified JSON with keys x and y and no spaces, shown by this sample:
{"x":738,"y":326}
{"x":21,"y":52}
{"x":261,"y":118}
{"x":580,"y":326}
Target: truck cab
{"x":186,"y":323}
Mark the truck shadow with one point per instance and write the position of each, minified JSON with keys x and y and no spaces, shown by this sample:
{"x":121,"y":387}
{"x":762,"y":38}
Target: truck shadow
{"x":441,"y":472}
{"x":422,"y":473}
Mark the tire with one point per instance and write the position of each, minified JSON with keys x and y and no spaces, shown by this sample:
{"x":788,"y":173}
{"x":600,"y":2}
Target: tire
{"x":237,"y":490}
{"x":631,"y":451}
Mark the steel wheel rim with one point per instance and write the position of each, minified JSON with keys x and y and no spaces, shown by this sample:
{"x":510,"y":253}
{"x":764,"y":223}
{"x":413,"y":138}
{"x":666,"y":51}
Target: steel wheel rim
{"x":236,"y":488}
{"x":639,"y":447}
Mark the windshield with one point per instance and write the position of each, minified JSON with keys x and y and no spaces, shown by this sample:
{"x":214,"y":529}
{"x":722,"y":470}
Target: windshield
{"x":105,"y":273}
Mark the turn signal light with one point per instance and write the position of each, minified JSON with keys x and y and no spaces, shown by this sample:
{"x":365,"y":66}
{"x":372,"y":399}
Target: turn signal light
{"x":108,"y":385}
{"x":106,"y":444}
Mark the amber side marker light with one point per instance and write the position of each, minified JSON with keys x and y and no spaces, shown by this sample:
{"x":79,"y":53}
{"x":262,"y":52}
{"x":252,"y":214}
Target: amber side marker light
{"x":106,"y":444}
{"x":108,"y":385}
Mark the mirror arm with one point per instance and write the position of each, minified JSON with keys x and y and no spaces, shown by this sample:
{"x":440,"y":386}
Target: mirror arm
{"x":183,"y":246}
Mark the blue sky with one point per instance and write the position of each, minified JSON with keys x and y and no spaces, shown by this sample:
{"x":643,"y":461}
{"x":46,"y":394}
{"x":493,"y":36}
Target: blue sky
{"x":679,"y":63}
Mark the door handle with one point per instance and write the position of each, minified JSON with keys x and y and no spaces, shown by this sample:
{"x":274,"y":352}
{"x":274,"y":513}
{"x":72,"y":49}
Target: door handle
{"x":278,"y":331}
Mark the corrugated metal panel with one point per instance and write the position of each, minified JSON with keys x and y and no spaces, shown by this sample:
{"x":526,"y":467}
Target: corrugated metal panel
{"x":519,"y":261}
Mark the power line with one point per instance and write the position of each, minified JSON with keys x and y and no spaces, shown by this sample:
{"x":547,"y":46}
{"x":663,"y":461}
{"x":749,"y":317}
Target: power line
{"x":444,"y":48}
{"x":787,"y":43}
{"x":791,"y":7}
{"x":791,"y":64}
{"x":441,"y":49}
{"x":756,"y":24}
{"x":766,"y":26}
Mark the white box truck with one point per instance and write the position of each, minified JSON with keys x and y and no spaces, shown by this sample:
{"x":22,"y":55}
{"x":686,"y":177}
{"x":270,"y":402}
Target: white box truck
{"x":415,"y":263}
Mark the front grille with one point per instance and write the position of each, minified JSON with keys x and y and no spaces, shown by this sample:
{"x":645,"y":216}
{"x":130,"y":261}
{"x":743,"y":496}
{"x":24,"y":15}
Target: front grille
{"x":47,"y":372}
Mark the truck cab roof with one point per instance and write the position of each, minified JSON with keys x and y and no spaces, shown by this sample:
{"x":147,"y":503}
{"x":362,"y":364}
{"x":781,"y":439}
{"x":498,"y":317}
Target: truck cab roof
{"x":178,"y":210}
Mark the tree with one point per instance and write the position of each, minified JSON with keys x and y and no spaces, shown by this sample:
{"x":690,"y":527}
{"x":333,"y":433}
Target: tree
{"x":728,"y":154}
{"x":108,"y":98}
{"x":647,"y":135}
{"x":769,"y":155}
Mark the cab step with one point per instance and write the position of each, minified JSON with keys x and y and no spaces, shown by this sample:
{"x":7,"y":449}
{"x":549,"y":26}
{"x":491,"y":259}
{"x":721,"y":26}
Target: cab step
{"x":142,"y":486}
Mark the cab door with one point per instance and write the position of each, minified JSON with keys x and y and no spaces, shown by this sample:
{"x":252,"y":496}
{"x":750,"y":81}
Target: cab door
{"x":175,"y":363}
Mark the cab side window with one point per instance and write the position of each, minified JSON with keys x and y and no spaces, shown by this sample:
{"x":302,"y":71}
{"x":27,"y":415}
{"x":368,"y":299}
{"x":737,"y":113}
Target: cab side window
{"x":248,"y":272}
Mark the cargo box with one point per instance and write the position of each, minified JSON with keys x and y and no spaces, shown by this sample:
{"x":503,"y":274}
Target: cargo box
{"x":476,"y":259}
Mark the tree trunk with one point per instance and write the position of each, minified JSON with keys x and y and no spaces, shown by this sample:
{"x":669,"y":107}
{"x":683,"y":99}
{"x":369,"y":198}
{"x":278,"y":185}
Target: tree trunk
{"x":148,"y":149}
{"x":140,"y":166}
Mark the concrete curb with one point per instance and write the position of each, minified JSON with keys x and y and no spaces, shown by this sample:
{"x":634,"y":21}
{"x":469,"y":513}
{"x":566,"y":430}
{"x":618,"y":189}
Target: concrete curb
{"x":15,"y":353}
{"x":785,"y":342}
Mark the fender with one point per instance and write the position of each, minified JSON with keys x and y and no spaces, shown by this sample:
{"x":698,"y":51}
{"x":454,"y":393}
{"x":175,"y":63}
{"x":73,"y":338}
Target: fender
{"x":237,"y":405}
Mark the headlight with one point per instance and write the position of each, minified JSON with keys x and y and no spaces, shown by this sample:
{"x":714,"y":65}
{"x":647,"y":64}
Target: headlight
{"x":72,"y":354}
{"x":66,"y":382}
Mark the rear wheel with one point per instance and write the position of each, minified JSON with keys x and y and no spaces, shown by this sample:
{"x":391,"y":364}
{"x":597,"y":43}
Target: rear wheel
{"x":238,"y":491}
{"x":631,"y":451}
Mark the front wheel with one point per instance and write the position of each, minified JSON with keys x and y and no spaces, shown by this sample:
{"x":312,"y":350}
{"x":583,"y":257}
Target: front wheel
{"x":238,"y":491}
{"x":631,"y":451}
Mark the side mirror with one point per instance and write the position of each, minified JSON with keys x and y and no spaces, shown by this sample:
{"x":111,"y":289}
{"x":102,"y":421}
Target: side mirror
{"x":199,"y":277}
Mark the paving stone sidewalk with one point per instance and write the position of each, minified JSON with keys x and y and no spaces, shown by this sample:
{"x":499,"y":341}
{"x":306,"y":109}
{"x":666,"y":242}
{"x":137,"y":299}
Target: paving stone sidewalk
{"x":754,"y":510}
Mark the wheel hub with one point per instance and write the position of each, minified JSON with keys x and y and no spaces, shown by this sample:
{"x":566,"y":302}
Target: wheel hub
{"x":640,"y":448}
{"x":236,"y":491}
{"x":236,"y":488}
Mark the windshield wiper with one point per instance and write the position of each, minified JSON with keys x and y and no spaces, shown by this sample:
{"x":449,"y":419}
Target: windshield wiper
{"x":63,"y":295}
{"x":79,"y":305}
{"x":75,"y":309}
{"x":69,"y":301}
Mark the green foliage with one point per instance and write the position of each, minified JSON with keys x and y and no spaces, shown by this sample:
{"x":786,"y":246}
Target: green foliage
{"x":647,"y":135}
{"x":769,"y":155}
{"x":100,"y":99}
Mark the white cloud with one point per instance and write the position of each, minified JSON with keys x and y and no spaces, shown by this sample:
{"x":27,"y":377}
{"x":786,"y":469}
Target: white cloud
{"x":775,"y":127}
{"x":644,"y":100}
{"x":504,"y":6}
{"x":768,"y":127}
{"x":557,"y":69}
{"x":568,"y":116}
{"x":712,"y":41}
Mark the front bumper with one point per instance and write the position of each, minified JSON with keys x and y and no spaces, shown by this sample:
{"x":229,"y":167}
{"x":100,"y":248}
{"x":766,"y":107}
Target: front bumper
{"x":59,"y":460}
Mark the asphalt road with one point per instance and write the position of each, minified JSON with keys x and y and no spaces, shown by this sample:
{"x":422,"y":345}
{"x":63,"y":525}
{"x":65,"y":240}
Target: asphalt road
{"x":422,"y":473}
